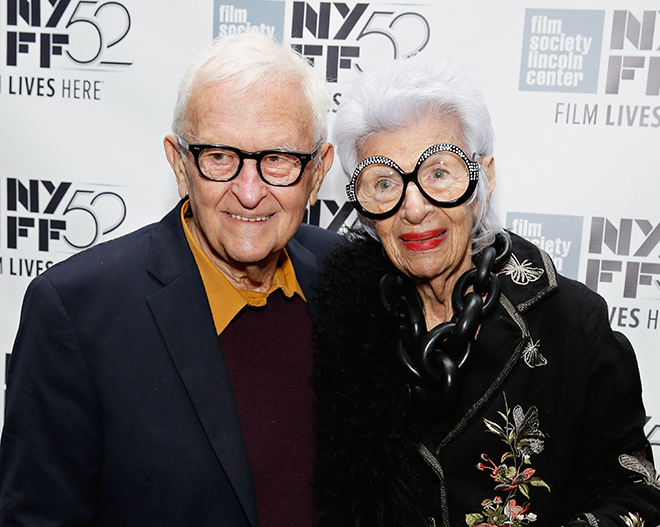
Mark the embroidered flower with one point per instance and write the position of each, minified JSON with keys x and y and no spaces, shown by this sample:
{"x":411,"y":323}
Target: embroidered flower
{"x":633,"y":520}
{"x":513,"y":510}
{"x":492,"y":504}
{"x":521,"y":273}
{"x":523,"y":438}
{"x":509,"y":513}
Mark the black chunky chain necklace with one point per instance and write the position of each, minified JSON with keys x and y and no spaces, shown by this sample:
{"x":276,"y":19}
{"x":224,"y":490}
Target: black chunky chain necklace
{"x":433,"y":362}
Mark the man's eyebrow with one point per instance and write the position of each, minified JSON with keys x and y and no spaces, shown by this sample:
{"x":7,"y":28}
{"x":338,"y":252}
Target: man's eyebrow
{"x":287,"y":146}
{"x":281,"y":147}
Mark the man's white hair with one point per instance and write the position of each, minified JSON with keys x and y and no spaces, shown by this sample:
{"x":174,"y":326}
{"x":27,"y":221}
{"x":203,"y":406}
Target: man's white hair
{"x":254,"y":64}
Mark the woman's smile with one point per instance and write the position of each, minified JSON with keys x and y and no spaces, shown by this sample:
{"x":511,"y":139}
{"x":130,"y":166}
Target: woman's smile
{"x":423,"y":241}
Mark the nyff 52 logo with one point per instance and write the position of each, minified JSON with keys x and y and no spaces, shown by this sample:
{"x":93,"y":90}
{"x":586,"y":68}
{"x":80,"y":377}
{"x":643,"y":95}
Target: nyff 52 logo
{"x":84,"y":33}
{"x":634,"y":50}
{"x":40,"y":212}
{"x":347,"y":37}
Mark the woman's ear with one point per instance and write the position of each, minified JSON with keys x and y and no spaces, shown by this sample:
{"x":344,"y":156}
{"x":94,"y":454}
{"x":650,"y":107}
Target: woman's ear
{"x":488,"y":164}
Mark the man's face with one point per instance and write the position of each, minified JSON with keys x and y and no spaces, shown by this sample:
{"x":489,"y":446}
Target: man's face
{"x":246,"y":221}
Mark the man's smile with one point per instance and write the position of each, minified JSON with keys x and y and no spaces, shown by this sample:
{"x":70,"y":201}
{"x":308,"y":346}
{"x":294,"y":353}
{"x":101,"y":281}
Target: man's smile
{"x":245,"y":218}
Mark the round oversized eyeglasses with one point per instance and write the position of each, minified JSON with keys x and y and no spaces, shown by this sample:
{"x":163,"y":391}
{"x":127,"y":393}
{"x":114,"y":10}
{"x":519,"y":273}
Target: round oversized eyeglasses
{"x":280,"y":168}
{"x":444,"y":175}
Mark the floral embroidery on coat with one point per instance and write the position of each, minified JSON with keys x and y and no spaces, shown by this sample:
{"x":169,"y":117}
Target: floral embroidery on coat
{"x":523,"y":438}
{"x":632,"y":520}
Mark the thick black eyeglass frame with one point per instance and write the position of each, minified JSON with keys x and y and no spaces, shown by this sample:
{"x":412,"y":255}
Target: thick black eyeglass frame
{"x":472,"y":166}
{"x":196,"y":149}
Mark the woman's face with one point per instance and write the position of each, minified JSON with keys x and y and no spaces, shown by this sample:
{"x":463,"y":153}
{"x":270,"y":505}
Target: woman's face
{"x":422,"y":240}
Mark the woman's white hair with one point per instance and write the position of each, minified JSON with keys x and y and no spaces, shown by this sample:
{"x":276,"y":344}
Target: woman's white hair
{"x":404,"y":91}
{"x":254,"y":64}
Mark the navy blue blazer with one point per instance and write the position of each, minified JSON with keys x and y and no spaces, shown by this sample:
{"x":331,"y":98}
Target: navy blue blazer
{"x":119,"y":409}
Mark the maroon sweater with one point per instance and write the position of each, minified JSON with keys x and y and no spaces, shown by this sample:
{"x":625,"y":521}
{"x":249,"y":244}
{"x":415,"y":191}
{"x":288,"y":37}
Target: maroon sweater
{"x":269,"y":355}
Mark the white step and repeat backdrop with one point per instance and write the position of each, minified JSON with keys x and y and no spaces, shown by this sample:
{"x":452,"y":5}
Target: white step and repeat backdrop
{"x":87,"y":90}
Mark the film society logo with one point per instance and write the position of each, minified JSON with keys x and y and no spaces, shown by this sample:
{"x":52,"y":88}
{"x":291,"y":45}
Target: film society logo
{"x":564,"y":51}
{"x":255,"y":15}
{"x":54,"y":218}
{"x":340,"y":39}
{"x":559,"y":236}
{"x":561,"y":50}
{"x":42,"y":36}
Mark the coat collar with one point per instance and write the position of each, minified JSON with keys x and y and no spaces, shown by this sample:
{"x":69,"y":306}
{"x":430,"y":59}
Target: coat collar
{"x":170,"y":256}
{"x":529,"y":276}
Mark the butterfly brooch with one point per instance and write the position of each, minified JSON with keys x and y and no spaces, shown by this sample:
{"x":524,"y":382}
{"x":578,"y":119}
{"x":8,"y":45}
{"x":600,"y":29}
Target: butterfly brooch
{"x":521,"y":273}
{"x":532,"y":355}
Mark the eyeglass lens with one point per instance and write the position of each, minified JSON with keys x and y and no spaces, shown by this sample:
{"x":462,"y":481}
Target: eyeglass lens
{"x":444,"y":176}
{"x":222,"y":164}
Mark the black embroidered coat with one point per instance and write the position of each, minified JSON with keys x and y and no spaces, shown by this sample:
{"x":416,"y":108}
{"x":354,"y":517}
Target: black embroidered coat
{"x":549,"y":425}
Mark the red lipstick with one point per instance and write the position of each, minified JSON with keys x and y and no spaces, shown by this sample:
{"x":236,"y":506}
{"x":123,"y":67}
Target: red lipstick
{"x":423,"y":241}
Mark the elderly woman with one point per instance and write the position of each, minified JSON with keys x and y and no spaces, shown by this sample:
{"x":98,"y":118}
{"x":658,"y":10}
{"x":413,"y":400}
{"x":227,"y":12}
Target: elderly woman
{"x":460,"y":379}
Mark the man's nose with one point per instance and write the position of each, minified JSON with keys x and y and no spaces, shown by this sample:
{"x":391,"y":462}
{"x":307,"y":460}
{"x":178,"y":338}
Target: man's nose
{"x":248,"y":186}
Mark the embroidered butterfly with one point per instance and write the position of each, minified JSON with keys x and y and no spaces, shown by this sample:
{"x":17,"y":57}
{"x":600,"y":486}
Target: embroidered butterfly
{"x":532,"y":355}
{"x":528,"y":437}
{"x":521,"y":273}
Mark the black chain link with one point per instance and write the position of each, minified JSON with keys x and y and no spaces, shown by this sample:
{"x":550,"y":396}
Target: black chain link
{"x":433,"y":362}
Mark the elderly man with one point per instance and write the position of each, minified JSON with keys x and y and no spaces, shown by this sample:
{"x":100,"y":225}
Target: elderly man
{"x":163,"y":378}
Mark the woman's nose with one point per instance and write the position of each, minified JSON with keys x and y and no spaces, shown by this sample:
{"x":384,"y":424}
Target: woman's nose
{"x":415,"y":206}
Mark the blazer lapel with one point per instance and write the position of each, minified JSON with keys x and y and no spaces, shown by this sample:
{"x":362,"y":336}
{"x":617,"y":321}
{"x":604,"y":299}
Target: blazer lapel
{"x":184,"y":317}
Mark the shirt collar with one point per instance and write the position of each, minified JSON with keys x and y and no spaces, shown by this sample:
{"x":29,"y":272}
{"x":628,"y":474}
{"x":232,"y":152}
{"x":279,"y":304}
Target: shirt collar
{"x":225,"y":300}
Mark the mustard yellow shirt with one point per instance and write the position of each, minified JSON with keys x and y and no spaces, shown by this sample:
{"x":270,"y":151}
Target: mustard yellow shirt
{"x":226,"y":301}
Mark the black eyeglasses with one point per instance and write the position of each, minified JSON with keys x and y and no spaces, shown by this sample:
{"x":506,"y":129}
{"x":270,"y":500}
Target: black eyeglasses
{"x":444,"y":175}
{"x":279,"y":168}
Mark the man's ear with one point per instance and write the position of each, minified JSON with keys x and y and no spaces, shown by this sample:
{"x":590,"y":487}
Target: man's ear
{"x":176,"y":162}
{"x":488,"y":164}
{"x":327,"y":154}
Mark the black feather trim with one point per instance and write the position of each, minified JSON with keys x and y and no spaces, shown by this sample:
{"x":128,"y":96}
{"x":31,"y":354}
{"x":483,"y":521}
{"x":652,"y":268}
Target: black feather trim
{"x":368,"y":470}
